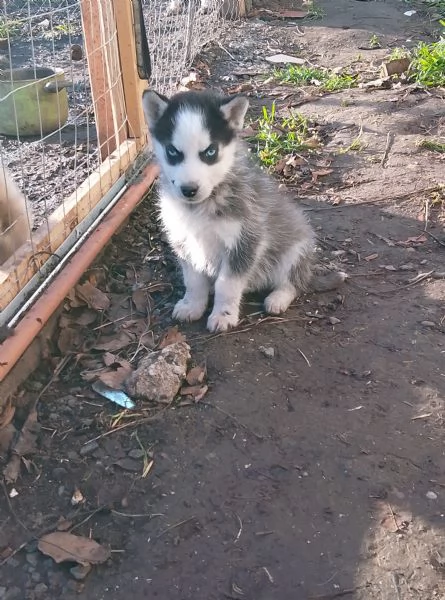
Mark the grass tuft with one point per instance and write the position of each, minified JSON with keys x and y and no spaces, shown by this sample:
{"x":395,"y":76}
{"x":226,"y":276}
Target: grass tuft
{"x":325,"y":79}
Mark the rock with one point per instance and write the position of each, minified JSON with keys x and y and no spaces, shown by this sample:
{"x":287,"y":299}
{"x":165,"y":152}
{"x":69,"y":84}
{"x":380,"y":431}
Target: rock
{"x":13,"y":593}
{"x":88,"y":448}
{"x":408,"y":267}
{"x":136,"y":453}
{"x":268,"y":352}
{"x":128,"y":464}
{"x":32,"y":559}
{"x":3,"y":591}
{"x":59,"y":473}
{"x":428,"y":324}
{"x":73,"y":455}
{"x":334,"y":321}
{"x":41,"y":589}
{"x":79,"y":572}
{"x":36,"y":577}
{"x":160,"y":374}
{"x":431,"y":495}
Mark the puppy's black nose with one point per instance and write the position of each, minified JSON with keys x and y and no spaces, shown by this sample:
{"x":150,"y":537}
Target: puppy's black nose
{"x":190,"y":190}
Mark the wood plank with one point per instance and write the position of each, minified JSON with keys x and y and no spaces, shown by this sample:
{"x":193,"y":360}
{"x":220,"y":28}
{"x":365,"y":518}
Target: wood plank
{"x":101,"y":45}
{"x":133,"y":85}
{"x":17,"y":271}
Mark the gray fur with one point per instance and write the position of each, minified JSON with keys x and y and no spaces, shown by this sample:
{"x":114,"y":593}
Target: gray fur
{"x":246,"y":234}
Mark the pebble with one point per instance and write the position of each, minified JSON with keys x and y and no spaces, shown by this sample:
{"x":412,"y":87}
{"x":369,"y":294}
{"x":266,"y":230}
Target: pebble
{"x":32,"y":559}
{"x":268,"y":352}
{"x":334,"y":321}
{"x":79,"y":572}
{"x":88,"y":448}
{"x":431,"y":495}
{"x":136,"y":453}
{"x":428,"y":324}
{"x":13,"y":593}
{"x":40,"y":589}
{"x":72,"y":455}
{"x":3,"y":591}
{"x":408,"y":267}
{"x":36,"y":577}
{"x":59,"y":473}
{"x":128,"y":464}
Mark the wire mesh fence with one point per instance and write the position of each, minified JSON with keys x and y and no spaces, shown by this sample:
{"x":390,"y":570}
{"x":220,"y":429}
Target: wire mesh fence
{"x":61,"y":66}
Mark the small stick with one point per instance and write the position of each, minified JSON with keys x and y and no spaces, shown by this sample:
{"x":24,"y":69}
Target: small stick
{"x":389,"y":139}
{"x":238,"y":535}
{"x":234,"y":419}
{"x":175,"y":526}
{"x":304,"y":356}
{"x":137,"y":515}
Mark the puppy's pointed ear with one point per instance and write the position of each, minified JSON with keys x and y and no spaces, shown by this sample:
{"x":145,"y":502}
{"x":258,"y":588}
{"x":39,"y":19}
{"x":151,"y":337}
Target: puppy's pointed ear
{"x":154,"y":106}
{"x":234,"y":111}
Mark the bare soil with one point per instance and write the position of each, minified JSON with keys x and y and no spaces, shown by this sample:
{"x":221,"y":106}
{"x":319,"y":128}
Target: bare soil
{"x":315,"y":470}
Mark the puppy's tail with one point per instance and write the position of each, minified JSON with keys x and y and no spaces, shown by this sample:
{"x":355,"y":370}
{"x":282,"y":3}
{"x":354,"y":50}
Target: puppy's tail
{"x":327,"y":281}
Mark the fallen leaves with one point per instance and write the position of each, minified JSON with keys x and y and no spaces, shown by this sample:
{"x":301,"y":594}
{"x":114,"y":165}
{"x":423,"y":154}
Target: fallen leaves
{"x":25,"y":446}
{"x":66,"y":547}
{"x":92,"y":296}
{"x":171,"y":336}
{"x":195,"y":387}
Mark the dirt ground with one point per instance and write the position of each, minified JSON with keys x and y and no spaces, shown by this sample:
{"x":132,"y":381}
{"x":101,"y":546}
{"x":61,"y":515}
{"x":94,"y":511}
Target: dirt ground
{"x":314,"y":466}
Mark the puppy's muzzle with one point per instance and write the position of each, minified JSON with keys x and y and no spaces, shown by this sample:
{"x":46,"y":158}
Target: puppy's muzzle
{"x":189,"y":190}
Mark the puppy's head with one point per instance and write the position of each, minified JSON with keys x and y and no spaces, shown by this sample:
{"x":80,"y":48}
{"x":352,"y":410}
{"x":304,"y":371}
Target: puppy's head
{"x":194,"y":138}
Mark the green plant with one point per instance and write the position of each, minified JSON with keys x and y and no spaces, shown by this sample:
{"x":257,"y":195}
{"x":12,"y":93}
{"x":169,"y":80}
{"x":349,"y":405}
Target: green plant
{"x":435,"y":9}
{"x":398,"y":53}
{"x":276,"y":138}
{"x":357,"y":145}
{"x":9,"y":27}
{"x":433,"y":145}
{"x":428,"y":65}
{"x":323,"y":78}
{"x":314,"y":11}
{"x":374,"y":41}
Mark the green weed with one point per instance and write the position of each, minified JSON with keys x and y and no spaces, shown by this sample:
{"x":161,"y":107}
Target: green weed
{"x":276,"y":138}
{"x":9,"y":28}
{"x":433,"y":145}
{"x":323,"y":78}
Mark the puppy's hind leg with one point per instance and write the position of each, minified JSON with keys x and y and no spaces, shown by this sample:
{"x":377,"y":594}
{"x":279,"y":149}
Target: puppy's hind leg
{"x":292,"y":277}
{"x":280,"y":299}
{"x":197,"y":289}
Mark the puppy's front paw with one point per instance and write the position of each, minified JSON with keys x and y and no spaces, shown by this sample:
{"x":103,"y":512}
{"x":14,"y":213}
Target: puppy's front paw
{"x":185,"y":310}
{"x":221,"y":321}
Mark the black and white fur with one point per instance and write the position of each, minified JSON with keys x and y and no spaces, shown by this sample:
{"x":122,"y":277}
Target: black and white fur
{"x":230,"y":225}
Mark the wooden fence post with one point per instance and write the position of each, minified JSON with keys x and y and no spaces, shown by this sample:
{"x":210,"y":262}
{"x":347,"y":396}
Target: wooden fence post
{"x":100,"y":35}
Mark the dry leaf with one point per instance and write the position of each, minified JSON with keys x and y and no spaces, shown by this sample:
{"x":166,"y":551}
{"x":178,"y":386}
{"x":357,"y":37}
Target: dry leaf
{"x":93,"y":296}
{"x":171,"y":336}
{"x":196,"y":391}
{"x":112,"y":343}
{"x":196,"y":375}
{"x":420,"y":239}
{"x":292,"y":14}
{"x":66,"y":547}
{"x":69,"y":339}
{"x":285,"y":59}
{"x":26,"y":444}
{"x":6,"y":414}
{"x":371,"y":257}
{"x":141,"y":301}
{"x":322,"y":173}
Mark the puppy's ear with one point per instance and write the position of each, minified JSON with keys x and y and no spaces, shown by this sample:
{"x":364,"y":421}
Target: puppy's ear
{"x":154,"y":106}
{"x":234,"y":111}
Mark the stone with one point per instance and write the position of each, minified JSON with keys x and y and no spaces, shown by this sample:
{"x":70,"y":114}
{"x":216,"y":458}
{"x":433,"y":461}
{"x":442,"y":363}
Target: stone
{"x":80,"y":572}
{"x":88,"y":448}
{"x":159,"y":375}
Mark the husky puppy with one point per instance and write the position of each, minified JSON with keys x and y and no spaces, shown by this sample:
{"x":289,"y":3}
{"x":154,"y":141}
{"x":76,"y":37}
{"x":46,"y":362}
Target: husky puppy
{"x":227,"y":221}
{"x":15,"y":216}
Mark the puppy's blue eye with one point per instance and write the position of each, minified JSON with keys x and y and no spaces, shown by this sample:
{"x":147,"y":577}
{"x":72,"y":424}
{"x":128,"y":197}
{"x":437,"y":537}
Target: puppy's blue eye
{"x":210,"y":152}
{"x":172,"y":151}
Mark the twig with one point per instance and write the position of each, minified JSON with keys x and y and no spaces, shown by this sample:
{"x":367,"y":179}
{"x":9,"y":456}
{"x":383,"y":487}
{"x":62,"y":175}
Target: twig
{"x":175,"y":526}
{"x":333,"y":595}
{"x":87,"y":518}
{"x":304,"y":356}
{"x":389,"y":140}
{"x":393,"y":517}
{"x":240,"y":523}
{"x":226,"y":51}
{"x":130,"y":424}
{"x":137,"y":515}
{"x":427,"y":214}
{"x":432,"y":236}
{"x":234,"y":419}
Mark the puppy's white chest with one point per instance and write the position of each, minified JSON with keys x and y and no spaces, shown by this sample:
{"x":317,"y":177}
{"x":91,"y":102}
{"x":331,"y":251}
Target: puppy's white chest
{"x":202,"y":241}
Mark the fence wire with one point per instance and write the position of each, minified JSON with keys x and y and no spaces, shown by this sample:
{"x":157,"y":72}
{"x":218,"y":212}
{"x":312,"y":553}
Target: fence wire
{"x":48,"y":133}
